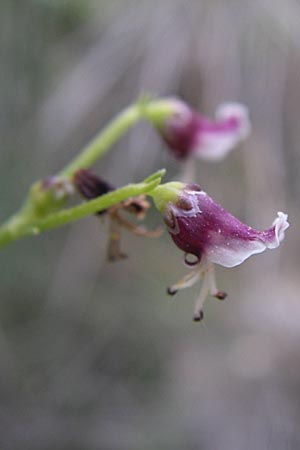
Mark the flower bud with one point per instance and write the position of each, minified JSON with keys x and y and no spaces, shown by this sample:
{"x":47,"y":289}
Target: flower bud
{"x":188,"y":133}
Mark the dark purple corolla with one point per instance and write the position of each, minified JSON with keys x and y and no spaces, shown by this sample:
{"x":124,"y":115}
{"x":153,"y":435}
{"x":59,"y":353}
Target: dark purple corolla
{"x":208,"y":234}
{"x":188,"y":133}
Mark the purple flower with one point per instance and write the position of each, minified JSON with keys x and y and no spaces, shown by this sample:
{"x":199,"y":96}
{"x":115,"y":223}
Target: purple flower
{"x":188,"y":133}
{"x":208,"y":234}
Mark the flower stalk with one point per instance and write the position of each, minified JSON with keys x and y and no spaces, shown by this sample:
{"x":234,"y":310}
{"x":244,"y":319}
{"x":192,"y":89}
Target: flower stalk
{"x":28,"y":223}
{"x":42,"y":208}
{"x":154,"y":111}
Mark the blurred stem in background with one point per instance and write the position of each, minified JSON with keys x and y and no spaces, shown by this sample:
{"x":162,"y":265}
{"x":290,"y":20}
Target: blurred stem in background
{"x":154,"y":111}
{"x":40,"y":211}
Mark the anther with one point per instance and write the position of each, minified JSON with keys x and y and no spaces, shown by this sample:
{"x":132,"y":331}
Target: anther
{"x":198,"y":317}
{"x":171,"y":290}
{"x":220,"y":295}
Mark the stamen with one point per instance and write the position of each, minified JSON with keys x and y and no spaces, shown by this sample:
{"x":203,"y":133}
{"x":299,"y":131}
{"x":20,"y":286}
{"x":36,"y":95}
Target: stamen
{"x":199,"y":317}
{"x":213,"y":290}
{"x":198,"y":313}
{"x":137,"y":206}
{"x":187,"y":281}
{"x":135,"y":229}
{"x":114,"y":252}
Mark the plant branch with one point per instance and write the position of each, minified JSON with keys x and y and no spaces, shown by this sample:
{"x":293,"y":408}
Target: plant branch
{"x":21,"y":225}
{"x":42,"y":207}
{"x":153,"y":111}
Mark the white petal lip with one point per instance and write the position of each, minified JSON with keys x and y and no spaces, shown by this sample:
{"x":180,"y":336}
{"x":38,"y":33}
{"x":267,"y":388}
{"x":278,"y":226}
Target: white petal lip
{"x":234,"y":251}
{"x":237,"y":251}
{"x":216,"y":144}
{"x":188,"y":133}
{"x":238,"y":110}
{"x":280,"y":224}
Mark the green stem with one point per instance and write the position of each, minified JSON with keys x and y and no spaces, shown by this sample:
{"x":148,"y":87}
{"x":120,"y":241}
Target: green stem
{"x":21,"y":225}
{"x":40,"y":208}
{"x":103,"y":141}
{"x":154,"y":111}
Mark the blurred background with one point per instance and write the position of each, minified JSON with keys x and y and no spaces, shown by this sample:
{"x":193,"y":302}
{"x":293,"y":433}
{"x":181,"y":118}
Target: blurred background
{"x":94,"y":355}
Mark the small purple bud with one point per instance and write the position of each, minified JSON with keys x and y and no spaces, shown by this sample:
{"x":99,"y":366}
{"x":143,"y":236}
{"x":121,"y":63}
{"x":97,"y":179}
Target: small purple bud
{"x":188,"y":133}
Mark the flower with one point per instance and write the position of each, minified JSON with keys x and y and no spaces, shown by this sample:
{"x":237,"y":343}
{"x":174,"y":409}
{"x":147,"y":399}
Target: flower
{"x":187,"y":133}
{"x":90,"y":186}
{"x":209,"y":235}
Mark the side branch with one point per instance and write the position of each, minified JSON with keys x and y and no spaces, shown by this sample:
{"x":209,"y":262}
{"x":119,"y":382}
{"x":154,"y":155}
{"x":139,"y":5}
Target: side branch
{"x":22,"y":225}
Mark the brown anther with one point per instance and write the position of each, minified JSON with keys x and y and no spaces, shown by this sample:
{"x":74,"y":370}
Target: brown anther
{"x":171,"y":291}
{"x":198,"y":317}
{"x":220,"y":295}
